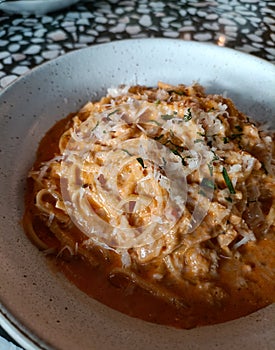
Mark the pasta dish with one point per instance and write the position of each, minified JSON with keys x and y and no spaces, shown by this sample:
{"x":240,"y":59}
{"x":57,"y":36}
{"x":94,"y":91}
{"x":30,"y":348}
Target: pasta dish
{"x":159,"y":202}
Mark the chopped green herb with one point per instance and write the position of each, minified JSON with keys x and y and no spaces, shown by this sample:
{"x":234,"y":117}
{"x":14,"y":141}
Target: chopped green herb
{"x":235,"y":136}
{"x":228,"y":181}
{"x":225,"y":140}
{"x":166,"y":116}
{"x":183,"y":162}
{"x":140,"y":160}
{"x":215,"y":157}
{"x":188,"y":115}
{"x":126,"y":151}
{"x":157,"y":102}
{"x":168,"y":141}
{"x":154,"y":121}
{"x":95,"y":126}
{"x":171,"y":132}
{"x":210,"y":164}
{"x":229,"y":199}
{"x":210,"y":167}
{"x":239,"y":128}
{"x":208,"y":183}
{"x":115,"y":111}
{"x":157,"y":138}
{"x":201,"y":134}
{"x":198,"y":140}
{"x":202,"y":193}
{"x":176,"y":152}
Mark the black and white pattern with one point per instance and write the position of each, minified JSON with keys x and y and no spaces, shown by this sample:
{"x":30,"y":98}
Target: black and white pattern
{"x":246,"y":25}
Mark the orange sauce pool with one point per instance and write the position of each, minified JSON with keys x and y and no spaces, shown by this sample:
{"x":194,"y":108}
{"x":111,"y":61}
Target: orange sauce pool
{"x":123,"y":295}
{"x":248,"y":283}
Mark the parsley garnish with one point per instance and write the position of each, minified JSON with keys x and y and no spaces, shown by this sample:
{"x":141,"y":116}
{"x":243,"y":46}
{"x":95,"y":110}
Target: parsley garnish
{"x":95,"y":126}
{"x":176,"y":152}
{"x":239,"y":128}
{"x":126,"y":151}
{"x":198,"y":140}
{"x":208,"y":183}
{"x":215,"y":157}
{"x":157,"y":138}
{"x":115,"y":111}
{"x":171,"y":132}
{"x":228,"y":181}
{"x":140,"y":160}
{"x":201,"y":134}
{"x":180,"y":148}
{"x":235,"y":136}
{"x":188,"y":115}
{"x":166,"y":116}
{"x":229,"y":199}
{"x":202,"y":193}
{"x":225,"y":140}
{"x":210,"y":164}
{"x":210,"y":167}
{"x":154,"y":121}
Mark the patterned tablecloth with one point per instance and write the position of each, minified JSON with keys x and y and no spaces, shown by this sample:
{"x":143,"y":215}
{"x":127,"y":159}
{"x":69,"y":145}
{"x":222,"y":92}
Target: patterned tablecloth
{"x":25,"y":42}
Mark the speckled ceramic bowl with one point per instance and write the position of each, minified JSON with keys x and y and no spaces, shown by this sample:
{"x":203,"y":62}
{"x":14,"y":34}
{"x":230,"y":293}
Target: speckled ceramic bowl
{"x":40,"y":308}
{"x":38,"y":7}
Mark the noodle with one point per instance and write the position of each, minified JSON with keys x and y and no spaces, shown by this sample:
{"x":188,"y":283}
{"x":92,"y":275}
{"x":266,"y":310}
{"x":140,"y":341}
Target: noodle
{"x":168,"y":187}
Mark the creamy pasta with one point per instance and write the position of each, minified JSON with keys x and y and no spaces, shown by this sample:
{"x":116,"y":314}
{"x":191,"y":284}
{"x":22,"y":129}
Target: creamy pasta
{"x":163,"y":197}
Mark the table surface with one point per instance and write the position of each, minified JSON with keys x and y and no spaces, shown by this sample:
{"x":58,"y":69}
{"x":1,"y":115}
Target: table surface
{"x":25,"y":42}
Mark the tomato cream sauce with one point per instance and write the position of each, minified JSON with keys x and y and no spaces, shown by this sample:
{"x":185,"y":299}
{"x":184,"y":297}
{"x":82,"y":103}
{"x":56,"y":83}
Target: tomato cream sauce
{"x":123,"y":295}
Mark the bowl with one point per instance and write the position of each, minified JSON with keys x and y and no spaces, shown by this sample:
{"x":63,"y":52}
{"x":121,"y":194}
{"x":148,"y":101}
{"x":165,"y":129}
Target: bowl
{"x":39,"y":307}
